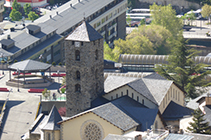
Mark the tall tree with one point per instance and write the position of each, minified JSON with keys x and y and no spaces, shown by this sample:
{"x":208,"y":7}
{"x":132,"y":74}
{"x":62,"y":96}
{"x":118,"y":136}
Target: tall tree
{"x":206,"y":11}
{"x":15,"y":15}
{"x":16,"y":5}
{"x":166,"y":17}
{"x":27,"y":8}
{"x":199,"y":125}
{"x":183,"y":70}
{"x":33,"y":16}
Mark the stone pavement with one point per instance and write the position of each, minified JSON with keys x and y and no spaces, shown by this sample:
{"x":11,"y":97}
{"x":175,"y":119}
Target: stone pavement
{"x":20,"y":110}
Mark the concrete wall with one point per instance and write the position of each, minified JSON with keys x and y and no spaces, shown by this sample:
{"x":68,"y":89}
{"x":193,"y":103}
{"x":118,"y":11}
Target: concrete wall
{"x":47,"y":105}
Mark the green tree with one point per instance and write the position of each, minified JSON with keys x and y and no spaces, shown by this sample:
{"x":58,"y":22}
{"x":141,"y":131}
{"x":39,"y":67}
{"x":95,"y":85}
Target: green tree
{"x":108,"y":53}
{"x":206,"y":11}
{"x":27,"y":8}
{"x":128,"y":21}
{"x":15,"y":15}
{"x":16,"y":5}
{"x":190,"y":17}
{"x":33,"y":16}
{"x":166,"y":17}
{"x":183,"y":70}
{"x":199,"y":125}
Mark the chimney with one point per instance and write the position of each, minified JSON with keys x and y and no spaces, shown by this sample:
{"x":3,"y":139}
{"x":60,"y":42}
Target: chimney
{"x":8,"y":37}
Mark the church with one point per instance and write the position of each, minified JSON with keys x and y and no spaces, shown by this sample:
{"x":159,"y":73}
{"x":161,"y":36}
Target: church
{"x":97,"y":107}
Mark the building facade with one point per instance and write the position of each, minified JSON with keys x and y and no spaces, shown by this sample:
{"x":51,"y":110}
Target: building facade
{"x":107,"y":17}
{"x":84,"y":68}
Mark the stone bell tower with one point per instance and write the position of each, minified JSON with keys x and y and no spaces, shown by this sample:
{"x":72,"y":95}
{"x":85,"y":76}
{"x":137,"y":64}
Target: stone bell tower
{"x":84,"y":68}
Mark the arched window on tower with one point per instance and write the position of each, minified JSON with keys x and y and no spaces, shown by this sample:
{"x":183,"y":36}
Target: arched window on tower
{"x":96,"y":55}
{"x":77,"y":88}
{"x":78,"y":75}
{"x":77,"y":55}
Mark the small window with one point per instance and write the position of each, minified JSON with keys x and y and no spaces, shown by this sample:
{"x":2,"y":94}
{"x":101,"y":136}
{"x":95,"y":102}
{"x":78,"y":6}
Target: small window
{"x":77,"y":55}
{"x":127,"y":92}
{"x":116,"y":95}
{"x":48,"y":136}
{"x":132,"y":95}
{"x":94,"y":42}
{"x":82,"y":43}
{"x":78,"y":75}
{"x":138,"y":98}
{"x":73,"y":42}
{"x":77,"y":88}
{"x":143,"y":101}
{"x":111,"y":97}
{"x":96,"y":54}
{"x":121,"y":93}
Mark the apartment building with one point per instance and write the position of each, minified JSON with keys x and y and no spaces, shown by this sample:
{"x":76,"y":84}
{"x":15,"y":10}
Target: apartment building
{"x":106,"y":16}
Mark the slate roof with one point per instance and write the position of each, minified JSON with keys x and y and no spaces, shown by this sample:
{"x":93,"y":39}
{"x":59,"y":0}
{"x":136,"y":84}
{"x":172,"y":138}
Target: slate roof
{"x":140,"y":86}
{"x":68,"y":17}
{"x":53,"y":118}
{"x":114,"y":115}
{"x":32,"y":27}
{"x":193,"y":104}
{"x":84,"y":32}
{"x":114,"y":82}
{"x":124,"y":113}
{"x":154,"y":75}
{"x":29,"y":65}
{"x":153,"y":89}
{"x":158,"y":88}
{"x":7,"y":42}
{"x":175,"y":111}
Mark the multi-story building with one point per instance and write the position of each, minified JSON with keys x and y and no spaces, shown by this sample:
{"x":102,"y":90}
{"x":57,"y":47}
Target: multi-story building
{"x":1,"y":9}
{"x":34,"y":3}
{"x":106,"y":16}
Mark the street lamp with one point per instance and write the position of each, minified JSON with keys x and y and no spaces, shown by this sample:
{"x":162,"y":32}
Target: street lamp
{"x":18,"y":79}
{"x":2,"y":60}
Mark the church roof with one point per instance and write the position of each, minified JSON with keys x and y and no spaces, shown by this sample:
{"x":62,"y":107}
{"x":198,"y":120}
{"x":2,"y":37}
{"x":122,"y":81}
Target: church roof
{"x":84,"y":32}
{"x":153,"y":89}
{"x":29,"y":65}
{"x":175,"y":111}
{"x":124,"y":113}
{"x":114,"y":82}
{"x":154,"y":75}
{"x":53,"y":118}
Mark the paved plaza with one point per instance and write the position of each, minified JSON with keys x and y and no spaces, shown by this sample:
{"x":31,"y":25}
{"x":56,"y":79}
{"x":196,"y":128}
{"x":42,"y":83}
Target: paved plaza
{"x":21,"y":108}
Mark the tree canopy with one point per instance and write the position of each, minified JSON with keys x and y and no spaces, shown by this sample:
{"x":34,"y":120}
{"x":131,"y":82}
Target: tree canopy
{"x":32,"y":16}
{"x":27,"y":8}
{"x":16,"y":5}
{"x":183,"y":70}
{"x":166,"y":16}
{"x":199,"y":125}
{"x":152,"y":39}
{"x":206,"y":11}
{"x":15,"y":15}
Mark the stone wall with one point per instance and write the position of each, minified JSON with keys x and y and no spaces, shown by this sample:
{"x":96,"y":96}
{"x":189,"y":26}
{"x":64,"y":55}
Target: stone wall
{"x":91,"y":75}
